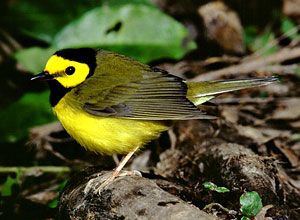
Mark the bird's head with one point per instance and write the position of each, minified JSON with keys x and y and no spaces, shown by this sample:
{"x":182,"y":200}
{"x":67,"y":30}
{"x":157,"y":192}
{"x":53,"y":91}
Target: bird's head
{"x":70,"y":67}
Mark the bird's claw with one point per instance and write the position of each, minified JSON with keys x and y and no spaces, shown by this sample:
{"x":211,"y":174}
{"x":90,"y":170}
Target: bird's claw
{"x":98,"y":184}
{"x":131,"y":173}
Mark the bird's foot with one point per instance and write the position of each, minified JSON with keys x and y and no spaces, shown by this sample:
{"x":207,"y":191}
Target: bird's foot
{"x":131,"y":173}
{"x":98,"y":184}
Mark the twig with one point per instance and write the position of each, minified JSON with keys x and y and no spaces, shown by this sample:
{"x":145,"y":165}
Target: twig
{"x":243,"y":100}
{"x":274,"y":42}
{"x":251,"y":65}
{"x":210,"y":206}
{"x":44,"y":169}
{"x":44,"y":131}
{"x":280,"y":69}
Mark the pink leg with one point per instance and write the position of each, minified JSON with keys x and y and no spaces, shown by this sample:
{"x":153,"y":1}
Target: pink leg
{"x":123,"y":162}
{"x":94,"y":184}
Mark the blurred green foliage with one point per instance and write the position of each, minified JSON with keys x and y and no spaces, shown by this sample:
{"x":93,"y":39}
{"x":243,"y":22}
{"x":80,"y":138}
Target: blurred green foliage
{"x":263,"y":44}
{"x":43,"y":19}
{"x":266,"y":42}
{"x":37,"y":54}
{"x":32,"y":109}
{"x":10,"y":182}
{"x":138,"y":30}
{"x":289,"y":29}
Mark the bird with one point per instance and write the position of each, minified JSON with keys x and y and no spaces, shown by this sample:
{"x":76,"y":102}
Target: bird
{"x":113,"y":104}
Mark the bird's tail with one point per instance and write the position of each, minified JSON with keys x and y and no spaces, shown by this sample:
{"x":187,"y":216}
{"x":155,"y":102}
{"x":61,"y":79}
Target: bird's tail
{"x":200,"y":92}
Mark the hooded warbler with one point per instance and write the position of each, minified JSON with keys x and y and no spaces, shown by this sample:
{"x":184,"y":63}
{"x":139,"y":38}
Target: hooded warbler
{"x":110,"y":103}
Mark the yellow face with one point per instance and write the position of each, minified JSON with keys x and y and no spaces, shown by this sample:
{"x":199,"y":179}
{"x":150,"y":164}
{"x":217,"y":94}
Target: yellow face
{"x":68,"y":73}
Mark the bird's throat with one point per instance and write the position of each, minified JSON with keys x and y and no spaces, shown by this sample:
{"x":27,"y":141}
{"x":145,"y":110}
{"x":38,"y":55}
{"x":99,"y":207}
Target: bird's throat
{"x":57,"y":92}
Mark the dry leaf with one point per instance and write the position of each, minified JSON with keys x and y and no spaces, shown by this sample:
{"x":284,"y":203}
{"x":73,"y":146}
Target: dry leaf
{"x":295,"y":124}
{"x":261,"y":135}
{"x":292,"y":8}
{"x":43,"y":197}
{"x":223,"y":26}
{"x":230,"y":113}
{"x":262,"y":214}
{"x":288,"y":153}
{"x":287,"y":109}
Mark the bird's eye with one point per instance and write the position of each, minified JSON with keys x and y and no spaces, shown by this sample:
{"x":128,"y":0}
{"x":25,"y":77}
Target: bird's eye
{"x":70,"y":70}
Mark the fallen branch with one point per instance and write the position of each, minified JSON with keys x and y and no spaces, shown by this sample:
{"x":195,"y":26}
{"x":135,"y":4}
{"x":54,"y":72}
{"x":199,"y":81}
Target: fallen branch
{"x":45,"y":131}
{"x":250,"y":64}
{"x":280,"y":69}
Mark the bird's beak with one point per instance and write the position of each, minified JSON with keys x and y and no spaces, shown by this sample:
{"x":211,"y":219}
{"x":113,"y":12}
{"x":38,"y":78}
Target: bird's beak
{"x":42,"y":76}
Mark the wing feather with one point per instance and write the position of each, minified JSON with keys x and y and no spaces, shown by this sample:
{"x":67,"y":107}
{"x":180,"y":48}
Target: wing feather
{"x":145,"y":94}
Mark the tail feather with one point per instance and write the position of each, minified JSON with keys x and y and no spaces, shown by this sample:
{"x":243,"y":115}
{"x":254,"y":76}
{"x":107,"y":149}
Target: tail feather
{"x":199,"y":92}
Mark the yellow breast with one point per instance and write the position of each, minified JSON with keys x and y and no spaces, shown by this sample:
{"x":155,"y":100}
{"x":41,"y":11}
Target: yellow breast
{"x":105,"y":134}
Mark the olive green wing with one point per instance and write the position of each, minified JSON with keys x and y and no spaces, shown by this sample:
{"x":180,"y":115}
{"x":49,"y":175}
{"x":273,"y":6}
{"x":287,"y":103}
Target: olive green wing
{"x":132,"y":90}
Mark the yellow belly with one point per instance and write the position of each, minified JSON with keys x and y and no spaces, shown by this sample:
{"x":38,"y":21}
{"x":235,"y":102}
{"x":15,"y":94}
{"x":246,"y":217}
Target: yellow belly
{"x":106,"y":135}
